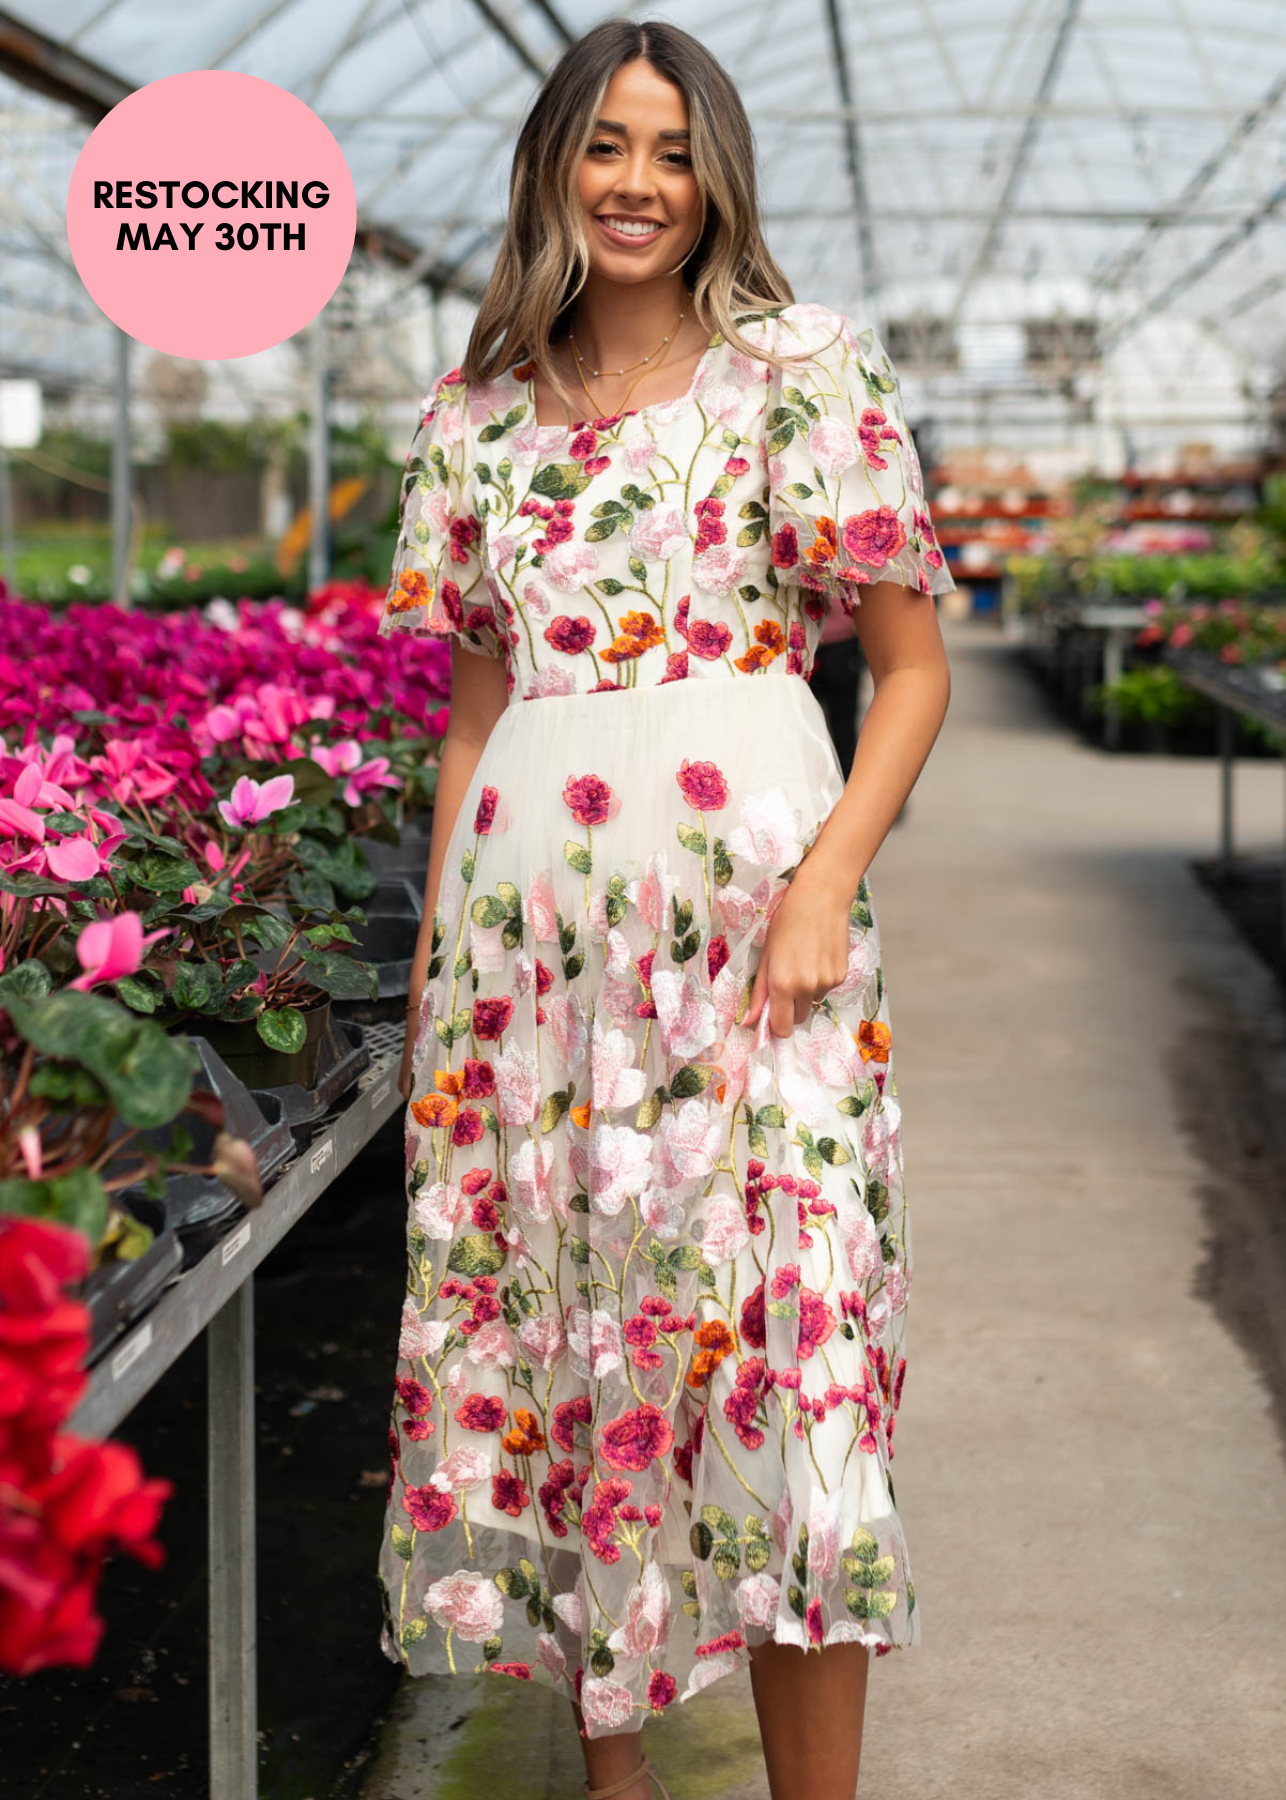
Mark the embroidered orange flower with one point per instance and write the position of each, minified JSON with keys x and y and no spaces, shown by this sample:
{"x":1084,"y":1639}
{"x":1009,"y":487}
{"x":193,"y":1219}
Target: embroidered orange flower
{"x":824,"y":546}
{"x":448,"y":1081}
{"x":526,"y":1438}
{"x":873,"y":1040}
{"x":434,"y":1110}
{"x":640,"y":631}
{"x":579,"y":1115}
{"x":414,"y":583}
{"x":715,"y":1341}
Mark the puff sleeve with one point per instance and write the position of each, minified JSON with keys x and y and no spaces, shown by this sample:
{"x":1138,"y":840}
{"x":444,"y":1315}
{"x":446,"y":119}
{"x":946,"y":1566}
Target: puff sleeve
{"x":438,"y":585}
{"x":846,"y":495}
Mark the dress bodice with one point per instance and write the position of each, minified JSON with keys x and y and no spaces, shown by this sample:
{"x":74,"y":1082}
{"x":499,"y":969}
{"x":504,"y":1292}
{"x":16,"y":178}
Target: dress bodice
{"x":694,"y":539}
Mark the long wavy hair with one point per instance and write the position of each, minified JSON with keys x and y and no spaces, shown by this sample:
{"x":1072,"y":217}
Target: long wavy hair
{"x":543,"y":259}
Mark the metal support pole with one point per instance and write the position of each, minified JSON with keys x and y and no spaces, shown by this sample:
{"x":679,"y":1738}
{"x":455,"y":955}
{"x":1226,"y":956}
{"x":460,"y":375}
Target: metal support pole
{"x":1113,"y":667}
{"x":6,"y":524}
{"x":435,"y":334}
{"x":319,"y":458}
{"x":1225,"y":725}
{"x":122,"y":475}
{"x":230,"y":1402}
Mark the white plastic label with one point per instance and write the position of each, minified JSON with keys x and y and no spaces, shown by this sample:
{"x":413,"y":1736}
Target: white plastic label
{"x":380,"y":1094}
{"x":321,"y":1154}
{"x":237,"y":1241}
{"x":129,"y":1352}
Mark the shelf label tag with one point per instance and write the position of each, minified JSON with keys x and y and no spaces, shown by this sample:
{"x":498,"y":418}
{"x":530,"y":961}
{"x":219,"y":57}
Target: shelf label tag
{"x":237,"y":1241}
{"x":321,"y":1154}
{"x":129,"y":1353}
{"x":380,"y":1094}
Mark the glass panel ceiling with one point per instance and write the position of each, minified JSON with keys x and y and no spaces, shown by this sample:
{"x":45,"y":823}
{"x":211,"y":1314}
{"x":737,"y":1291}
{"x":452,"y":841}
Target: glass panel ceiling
{"x":1002,"y":161}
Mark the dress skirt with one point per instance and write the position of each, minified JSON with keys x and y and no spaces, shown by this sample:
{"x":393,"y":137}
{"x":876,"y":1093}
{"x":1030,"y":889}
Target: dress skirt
{"x":657,"y":1261}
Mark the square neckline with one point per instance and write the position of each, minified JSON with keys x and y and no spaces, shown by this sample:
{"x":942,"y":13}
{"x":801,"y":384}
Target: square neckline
{"x":681,"y":401}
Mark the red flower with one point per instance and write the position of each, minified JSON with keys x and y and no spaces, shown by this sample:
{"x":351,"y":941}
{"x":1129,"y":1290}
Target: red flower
{"x":785,"y":547}
{"x":570,"y":636}
{"x":509,"y":1493}
{"x":873,"y":537}
{"x":590,"y":799}
{"x":702,"y":785}
{"x":491,"y":1017}
{"x":636,"y":1438}
{"x":481,"y":1412}
{"x":661,"y":1690}
{"x":429,"y":1508}
{"x":485,"y":815}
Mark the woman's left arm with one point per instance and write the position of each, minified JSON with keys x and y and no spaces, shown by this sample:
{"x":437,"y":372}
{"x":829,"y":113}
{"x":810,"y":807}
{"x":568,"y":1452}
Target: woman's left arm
{"x":806,"y":949}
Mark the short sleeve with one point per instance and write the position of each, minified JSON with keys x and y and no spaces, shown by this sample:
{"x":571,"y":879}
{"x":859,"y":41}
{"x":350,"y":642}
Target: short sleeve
{"x":846,"y":494}
{"x":437,"y":586}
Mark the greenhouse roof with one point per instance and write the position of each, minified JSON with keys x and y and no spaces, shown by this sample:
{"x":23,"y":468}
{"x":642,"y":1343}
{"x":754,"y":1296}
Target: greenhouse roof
{"x":959,"y":166}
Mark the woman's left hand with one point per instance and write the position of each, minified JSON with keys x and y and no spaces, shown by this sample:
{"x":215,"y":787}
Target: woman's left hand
{"x":805,"y":955}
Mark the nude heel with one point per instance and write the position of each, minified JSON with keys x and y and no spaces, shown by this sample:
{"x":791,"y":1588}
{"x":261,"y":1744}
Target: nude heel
{"x":616,"y":1787}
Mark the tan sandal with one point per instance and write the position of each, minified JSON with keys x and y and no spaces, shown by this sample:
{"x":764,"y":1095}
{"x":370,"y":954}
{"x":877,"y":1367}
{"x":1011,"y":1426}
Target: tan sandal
{"x":616,"y":1787}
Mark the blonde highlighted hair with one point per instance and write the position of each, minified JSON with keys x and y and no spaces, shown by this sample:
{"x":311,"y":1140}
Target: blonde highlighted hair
{"x":544,"y":256}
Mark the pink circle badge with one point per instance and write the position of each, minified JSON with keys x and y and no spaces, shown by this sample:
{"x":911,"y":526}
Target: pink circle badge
{"x":211,"y":215}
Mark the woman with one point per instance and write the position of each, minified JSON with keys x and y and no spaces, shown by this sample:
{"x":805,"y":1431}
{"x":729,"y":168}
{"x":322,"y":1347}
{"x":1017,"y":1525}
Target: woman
{"x":657,"y":1247}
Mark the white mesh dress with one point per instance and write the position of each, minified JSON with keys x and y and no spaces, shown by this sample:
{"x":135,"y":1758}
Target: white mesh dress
{"x":657,"y":1262}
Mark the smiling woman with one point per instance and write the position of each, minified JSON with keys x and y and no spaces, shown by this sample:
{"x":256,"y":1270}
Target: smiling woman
{"x":658,"y":1251}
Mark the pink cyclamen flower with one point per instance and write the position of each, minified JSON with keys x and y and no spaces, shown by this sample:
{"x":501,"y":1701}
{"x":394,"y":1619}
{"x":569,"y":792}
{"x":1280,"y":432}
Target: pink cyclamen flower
{"x":254,"y":801}
{"x":110,"y":948}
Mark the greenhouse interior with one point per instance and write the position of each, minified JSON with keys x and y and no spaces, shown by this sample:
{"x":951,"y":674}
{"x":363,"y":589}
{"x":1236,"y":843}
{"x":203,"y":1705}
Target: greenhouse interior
{"x":1066,"y":222}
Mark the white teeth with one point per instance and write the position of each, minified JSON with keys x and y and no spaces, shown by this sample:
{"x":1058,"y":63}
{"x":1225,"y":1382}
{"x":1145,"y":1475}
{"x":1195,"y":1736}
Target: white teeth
{"x":633,"y":227}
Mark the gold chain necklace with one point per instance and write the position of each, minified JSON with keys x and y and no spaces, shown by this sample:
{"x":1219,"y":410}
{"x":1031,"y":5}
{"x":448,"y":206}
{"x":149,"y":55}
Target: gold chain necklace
{"x":642,"y":359}
{"x":656,"y":359}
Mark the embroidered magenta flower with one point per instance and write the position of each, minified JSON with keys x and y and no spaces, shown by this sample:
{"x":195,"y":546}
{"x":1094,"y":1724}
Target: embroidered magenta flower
{"x":414,"y":1396}
{"x":591,"y":800}
{"x":572,"y":637}
{"x":509,"y":1493}
{"x":816,"y":1321}
{"x":742,"y":1404}
{"x":481,"y":1412}
{"x":465,"y":532}
{"x":486,"y":813}
{"x":719,"y":1646}
{"x":598,"y":1521}
{"x":661,"y":1690}
{"x":491,"y":1018}
{"x":875,"y":536}
{"x":785,"y":547}
{"x":636,"y":1438}
{"x":567,"y":1415}
{"x":557,"y":1488}
{"x":753,"y":1323}
{"x":111,"y":948}
{"x":702,"y":785}
{"x":430,"y":1508}
{"x":708,"y":640}
{"x":813,"y":1621}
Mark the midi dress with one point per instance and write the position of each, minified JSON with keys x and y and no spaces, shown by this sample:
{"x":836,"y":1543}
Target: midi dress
{"x":651,"y":1349}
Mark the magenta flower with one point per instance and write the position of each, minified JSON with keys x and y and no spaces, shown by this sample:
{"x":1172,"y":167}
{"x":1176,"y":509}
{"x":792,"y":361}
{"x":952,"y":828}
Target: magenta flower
{"x":590,"y":798}
{"x":254,"y":801}
{"x":702,"y":785}
{"x":110,"y":948}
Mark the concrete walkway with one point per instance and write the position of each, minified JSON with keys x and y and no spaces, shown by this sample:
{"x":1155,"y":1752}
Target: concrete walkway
{"x":1089,"y":1454}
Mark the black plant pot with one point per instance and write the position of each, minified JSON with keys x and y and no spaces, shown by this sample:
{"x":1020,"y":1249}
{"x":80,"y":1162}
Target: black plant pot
{"x":118,"y":1293}
{"x":256,"y":1063}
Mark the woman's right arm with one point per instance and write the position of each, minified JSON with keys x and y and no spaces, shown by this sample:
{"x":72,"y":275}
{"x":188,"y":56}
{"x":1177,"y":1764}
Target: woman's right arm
{"x":479,"y":694}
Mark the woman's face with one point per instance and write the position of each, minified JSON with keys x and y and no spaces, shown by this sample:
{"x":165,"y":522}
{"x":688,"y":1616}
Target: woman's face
{"x":643,"y":210}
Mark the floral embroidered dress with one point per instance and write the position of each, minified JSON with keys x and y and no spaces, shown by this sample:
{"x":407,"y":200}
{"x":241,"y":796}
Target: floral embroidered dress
{"x":657,"y":1261}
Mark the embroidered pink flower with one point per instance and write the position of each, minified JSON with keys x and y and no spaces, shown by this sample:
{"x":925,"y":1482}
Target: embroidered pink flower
{"x":874,"y":537}
{"x":591,"y":800}
{"x":702,"y":785}
{"x":429,"y":1508}
{"x":470,"y":1604}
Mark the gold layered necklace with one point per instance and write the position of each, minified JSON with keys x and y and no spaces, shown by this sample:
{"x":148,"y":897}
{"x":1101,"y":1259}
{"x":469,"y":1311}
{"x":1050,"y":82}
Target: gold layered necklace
{"x":653,"y":359}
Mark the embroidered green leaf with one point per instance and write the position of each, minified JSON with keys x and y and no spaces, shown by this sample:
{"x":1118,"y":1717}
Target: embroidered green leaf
{"x":511,"y":897}
{"x":578,"y":1249}
{"x":727,"y":1559}
{"x":402,"y":1542}
{"x":572,"y":966}
{"x":476,"y":1254}
{"x":513,"y":1583}
{"x":578,"y":856}
{"x":795,"y":1599}
{"x":798,"y":490}
{"x":414,"y":1630}
{"x":833,"y":1151}
{"x":556,"y":1104}
{"x":688,"y":1582}
{"x":749,"y":534}
{"x":685,"y":1256}
{"x":692,"y":839}
{"x":692,"y":1078}
{"x":687,"y":949}
{"x":649,"y":1111}
{"x":772,"y":1114}
{"x":462,"y":1022}
{"x":780,"y":438}
{"x":560,"y":481}
{"x":701,"y":1539}
{"x":638,"y":568}
{"x":487,"y":434}
{"x":851,"y":1105}
{"x":488,"y":910}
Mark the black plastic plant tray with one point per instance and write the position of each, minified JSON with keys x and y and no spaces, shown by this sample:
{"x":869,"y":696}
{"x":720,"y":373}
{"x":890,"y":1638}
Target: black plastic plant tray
{"x":344,"y":1056}
{"x":410,"y":857}
{"x":387,"y":943}
{"x":199,"y":1207}
{"x":119,"y":1293}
